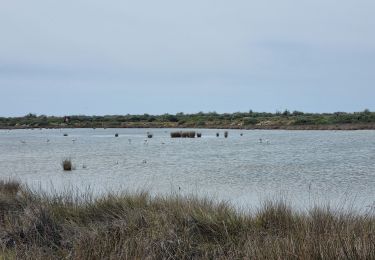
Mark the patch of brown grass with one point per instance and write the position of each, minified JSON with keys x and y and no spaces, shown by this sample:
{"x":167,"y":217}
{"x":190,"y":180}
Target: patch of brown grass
{"x":183,"y":134}
{"x":9,"y":187}
{"x":67,"y":165}
{"x":138,"y":226}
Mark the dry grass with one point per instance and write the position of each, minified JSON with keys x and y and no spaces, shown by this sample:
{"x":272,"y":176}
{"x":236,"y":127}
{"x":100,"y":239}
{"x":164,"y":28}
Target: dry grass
{"x":188,"y":134}
{"x":176,"y":134}
{"x":67,"y":165}
{"x":10,"y":187}
{"x":183,"y":134}
{"x":36,"y":226}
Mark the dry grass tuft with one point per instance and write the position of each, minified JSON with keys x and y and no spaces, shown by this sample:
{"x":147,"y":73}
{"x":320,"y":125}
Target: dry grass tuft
{"x":10,"y":187}
{"x":176,"y":134}
{"x":183,"y":134}
{"x":138,"y":226}
{"x":67,"y":165}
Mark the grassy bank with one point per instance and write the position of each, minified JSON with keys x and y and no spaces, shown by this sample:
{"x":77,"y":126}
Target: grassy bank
{"x":138,"y":226}
{"x":242,"y":120}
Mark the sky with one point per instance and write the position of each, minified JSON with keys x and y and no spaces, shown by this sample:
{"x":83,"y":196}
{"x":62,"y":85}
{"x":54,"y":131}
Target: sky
{"x":117,"y":57}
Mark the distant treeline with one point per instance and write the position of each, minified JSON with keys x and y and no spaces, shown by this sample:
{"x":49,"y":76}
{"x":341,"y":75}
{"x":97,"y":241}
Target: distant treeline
{"x":240,"y":120}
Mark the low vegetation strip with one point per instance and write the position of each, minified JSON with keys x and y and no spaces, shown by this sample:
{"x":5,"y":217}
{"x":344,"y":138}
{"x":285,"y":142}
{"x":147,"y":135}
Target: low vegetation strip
{"x":242,"y":120}
{"x":138,"y":226}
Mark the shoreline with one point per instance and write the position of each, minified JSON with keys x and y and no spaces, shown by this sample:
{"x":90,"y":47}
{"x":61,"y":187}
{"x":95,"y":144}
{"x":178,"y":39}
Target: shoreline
{"x":336,"y":127}
{"x":286,"y":120}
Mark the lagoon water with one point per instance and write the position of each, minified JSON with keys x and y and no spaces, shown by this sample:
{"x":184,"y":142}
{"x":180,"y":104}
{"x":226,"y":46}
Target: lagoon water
{"x":306,"y":167}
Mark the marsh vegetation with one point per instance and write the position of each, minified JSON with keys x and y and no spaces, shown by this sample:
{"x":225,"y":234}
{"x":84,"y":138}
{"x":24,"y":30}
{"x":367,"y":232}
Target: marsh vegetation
{"x":122,"y":226}
{"x":67,"y":164}
{"x":183,"y":134}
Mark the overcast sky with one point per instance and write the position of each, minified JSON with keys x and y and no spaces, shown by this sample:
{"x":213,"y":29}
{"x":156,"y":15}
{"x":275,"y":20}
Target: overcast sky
{"x":167,"y":56}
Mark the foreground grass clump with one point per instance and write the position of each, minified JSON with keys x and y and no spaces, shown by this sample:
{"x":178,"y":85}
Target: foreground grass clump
{"x":9,"y":187}
{"x":139,"y":226}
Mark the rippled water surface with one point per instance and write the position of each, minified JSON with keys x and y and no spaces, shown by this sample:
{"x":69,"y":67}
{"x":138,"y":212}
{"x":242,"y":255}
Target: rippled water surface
{"x":305,"y":166}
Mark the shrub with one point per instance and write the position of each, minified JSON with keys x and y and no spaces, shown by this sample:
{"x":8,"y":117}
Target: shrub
{"x":304,"y":120}
{"x":201,"y":123}
{"x":250,"y":121}
{"x":297,"y":113}
{"x":286,"y":112}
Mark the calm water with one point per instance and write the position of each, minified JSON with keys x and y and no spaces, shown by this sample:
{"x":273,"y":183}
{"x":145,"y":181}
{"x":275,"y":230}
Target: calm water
{"x":304,"y":166}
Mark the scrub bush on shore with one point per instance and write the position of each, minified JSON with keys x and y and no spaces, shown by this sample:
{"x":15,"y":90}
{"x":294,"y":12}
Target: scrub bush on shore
{"x":138,"y":226}
{"x":295,"y":120}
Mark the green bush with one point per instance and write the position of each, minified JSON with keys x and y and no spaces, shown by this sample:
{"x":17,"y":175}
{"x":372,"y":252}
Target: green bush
{"x":250,"y":121}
